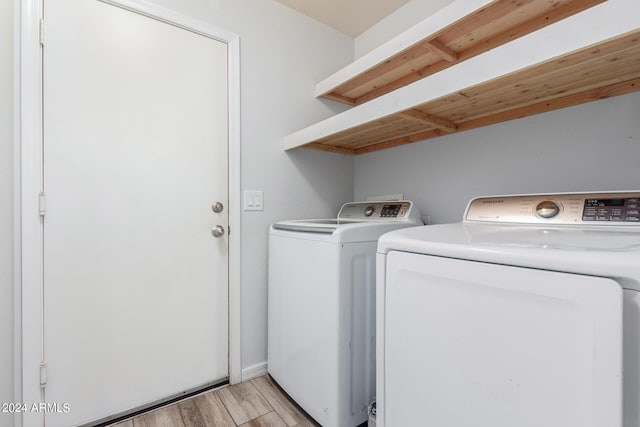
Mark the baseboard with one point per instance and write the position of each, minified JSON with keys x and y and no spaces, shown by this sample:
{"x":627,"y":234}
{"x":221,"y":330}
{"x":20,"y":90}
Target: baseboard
{"x":254,"y":371}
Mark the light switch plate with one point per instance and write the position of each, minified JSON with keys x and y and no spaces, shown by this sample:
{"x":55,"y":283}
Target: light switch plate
{"x":253,"y":200}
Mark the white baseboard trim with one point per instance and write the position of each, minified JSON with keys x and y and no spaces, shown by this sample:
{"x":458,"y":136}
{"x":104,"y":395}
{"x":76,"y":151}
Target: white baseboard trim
{"x":254,"y":371}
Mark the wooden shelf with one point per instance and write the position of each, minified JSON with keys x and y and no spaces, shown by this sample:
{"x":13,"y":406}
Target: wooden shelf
{"x":589,"y":56}
{"x":431,"y":46}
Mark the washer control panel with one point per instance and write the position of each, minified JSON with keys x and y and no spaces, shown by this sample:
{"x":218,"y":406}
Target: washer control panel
{"x":613,"y":208}
{"x":371,"y":211}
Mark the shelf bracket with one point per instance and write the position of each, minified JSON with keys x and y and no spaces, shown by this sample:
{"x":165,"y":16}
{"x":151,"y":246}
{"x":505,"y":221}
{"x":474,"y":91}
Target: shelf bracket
{"x":329,"y":148}
{"x":435,"y":121}
{"x":442,"y":50}
{"x":340,"y":98}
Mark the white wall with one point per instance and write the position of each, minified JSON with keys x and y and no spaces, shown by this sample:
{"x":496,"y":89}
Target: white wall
{"x":407,"y":16}
{"x":588,"y":147}
{"x":283,"y":55}
{"x":6,"y":207}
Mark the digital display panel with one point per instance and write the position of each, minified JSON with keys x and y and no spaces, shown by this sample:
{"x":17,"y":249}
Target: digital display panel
{"x":616,"y":210}
{"x":390,"y":210}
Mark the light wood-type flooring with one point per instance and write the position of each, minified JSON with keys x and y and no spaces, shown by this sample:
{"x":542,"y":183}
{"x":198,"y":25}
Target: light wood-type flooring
{"x":256,"y":403}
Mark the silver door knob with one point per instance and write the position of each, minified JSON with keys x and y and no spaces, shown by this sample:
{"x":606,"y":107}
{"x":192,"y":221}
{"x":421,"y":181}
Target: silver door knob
{"x":217,"y":231}
{"x":217,"y":207}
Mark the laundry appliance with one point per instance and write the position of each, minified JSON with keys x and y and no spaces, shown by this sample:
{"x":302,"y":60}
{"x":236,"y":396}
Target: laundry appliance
{"x":525,"y":314}
{"x":321,"y":308}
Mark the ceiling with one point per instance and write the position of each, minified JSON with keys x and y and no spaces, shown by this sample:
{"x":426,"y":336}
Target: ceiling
{"x":351,"y":17}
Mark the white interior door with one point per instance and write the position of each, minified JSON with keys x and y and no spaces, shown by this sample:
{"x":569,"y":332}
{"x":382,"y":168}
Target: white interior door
{"x":475,"y":344}
{"x":135,"y":154}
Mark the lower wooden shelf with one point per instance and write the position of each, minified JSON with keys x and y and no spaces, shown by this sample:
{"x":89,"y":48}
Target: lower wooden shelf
{"x":603,"y":70}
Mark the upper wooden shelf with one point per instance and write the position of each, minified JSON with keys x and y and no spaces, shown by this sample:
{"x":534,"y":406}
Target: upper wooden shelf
{"x":592,"y":55}
{"x":458,"y":32}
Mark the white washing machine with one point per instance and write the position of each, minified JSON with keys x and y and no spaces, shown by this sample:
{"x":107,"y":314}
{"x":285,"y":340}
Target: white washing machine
{"x":321,"y":328}
{"x":525,"y":314}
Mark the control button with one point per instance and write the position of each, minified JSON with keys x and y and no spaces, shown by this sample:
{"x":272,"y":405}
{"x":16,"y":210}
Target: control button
{"x":547,"y":209}
{"x":369,"y":210}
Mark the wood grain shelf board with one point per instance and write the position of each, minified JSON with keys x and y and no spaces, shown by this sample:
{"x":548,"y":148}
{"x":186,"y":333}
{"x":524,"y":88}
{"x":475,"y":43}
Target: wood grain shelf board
{"x":492,"y":25}
{"x":609,"y":68}
{"x":580,"y":72}
{"x":361,"y":136}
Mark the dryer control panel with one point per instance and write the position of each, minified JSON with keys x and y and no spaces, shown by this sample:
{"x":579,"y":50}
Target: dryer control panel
{"x":612,"y":208}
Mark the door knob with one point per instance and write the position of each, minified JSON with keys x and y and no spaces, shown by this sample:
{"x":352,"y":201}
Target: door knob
{"x":217,"y":231}
{"x":217,"y":207}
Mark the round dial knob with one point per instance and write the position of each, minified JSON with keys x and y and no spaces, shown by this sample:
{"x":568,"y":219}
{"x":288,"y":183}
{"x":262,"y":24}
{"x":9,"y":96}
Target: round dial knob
{"x":547,"y":209}
{"x":369,"y":210}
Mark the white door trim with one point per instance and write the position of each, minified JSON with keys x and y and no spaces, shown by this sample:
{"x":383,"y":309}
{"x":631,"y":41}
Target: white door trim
{"x":28,"y":172}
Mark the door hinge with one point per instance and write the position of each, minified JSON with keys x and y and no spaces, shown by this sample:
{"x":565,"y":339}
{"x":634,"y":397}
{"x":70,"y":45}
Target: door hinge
{"x":43,"y":374}
{"x":42,"y":32}
{"x":42,"y":203}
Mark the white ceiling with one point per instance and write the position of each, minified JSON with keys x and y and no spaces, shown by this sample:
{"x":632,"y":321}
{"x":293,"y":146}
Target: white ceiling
{"x":351,"y":17}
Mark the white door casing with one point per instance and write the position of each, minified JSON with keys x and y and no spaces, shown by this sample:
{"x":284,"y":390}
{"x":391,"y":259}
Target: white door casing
{"x":31,"y":174}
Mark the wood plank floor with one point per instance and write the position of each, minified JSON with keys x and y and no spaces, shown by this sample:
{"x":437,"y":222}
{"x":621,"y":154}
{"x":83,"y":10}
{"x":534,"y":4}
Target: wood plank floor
{"x":256,"y":403}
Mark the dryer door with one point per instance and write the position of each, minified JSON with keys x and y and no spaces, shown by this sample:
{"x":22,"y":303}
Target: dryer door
{"x":485,"y":345}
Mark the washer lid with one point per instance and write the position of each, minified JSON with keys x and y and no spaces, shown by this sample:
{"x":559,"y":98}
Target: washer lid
{"x":337,"y":231}
{"x":602,"y":251}
{"x":325,"y":226}
{"x":377,"y":217}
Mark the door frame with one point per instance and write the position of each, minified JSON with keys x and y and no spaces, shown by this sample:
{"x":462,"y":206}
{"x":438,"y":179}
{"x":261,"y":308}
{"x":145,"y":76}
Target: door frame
{"x":28,"y":239}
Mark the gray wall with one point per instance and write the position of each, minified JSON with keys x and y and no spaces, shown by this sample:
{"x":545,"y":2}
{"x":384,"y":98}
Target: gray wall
{"x":593,"y":146}
{"x":6,"y":207}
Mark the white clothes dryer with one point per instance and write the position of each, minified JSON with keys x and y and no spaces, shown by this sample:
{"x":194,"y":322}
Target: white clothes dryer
{"x":525,"y":314}
{"x":321,"y":312}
